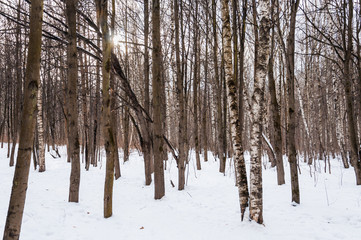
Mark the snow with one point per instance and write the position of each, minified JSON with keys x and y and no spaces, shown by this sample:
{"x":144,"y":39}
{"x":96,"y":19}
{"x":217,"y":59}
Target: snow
{"x":208,"y":208}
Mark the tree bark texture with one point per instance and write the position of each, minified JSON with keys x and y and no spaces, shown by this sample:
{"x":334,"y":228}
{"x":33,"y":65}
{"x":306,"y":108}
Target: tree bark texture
{"x":350,"y":111}
{"x":147,"y":143}
{"x":32,"y":79}
{"x":262,"y":54}
{"x":275,"y":108}
{"x":40,"y":127}
{"x":233,"y":105}
{"x":291,"y":130}
{"x":157,"y":108}
{"x":108,"y":131}
{"x":72,"y":108}
{"x":180,"y":103}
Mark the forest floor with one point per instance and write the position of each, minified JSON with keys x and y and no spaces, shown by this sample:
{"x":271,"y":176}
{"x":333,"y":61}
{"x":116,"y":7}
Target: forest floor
{"x":208,"y":208}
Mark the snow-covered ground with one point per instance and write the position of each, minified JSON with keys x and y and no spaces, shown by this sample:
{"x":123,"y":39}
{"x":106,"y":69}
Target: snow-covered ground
{"x":207,"y":209}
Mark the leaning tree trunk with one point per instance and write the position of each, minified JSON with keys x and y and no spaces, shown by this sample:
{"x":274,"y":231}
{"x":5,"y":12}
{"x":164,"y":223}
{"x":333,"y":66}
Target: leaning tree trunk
{"x":72,"y":109}
{"x":113,"y":112}
{"x":157,"y":108}
{"x":32,"y":79}
{"x":262,"y":54}
{"x":108,"y":131}
{"x":233,"y":105}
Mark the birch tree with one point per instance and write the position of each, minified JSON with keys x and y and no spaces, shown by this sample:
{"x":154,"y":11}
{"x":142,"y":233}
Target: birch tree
{"x":262,"y":43}
{"x":233,"y":106}
{"x":40,"y":128}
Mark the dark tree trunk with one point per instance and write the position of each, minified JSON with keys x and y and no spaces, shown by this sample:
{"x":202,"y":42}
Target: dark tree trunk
{"x":72,"y":109}
{"x":157,"y":108}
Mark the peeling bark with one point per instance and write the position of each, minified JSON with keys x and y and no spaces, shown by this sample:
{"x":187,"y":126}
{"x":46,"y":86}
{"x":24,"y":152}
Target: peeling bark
{"x":262,"y":54}
{"x":233,"y":107}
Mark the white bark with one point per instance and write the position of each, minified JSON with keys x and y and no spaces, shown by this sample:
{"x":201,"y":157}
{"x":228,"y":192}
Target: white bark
{"x":256,"y":201}
{"x":40,"y":129}
{"x":233,"y":105}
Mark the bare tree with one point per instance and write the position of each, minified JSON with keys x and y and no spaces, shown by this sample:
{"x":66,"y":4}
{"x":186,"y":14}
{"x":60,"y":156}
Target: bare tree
{"x":233,"y":105}
{"x":32,"y":79}
{"x":157,"y":108}
{"x":72,"y":108}
{"x":262,"y":43}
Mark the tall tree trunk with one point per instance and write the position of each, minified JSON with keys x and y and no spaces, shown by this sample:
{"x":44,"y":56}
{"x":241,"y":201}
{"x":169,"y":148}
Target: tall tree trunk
{"x":242,"y":39}
{"x":221,"y":155}
{"x":205,"y":96}
{"x":32,"y":79}
{"x":195,"y":87}
{"x":275,"y":108}
{"x":180,"y":103}
{"x":108,"y":131}
{"x":233,"y":105}
{"x":84,"y":91}
{"x":262,"y":44}
{"x":126,"y":108}
{"x":72,"y":108}
{"x":113,"y":112}
{"x":351,"y":122}
{"x":291,"y":133}
{"x":147,"y":143}
{"x":157,"y":108}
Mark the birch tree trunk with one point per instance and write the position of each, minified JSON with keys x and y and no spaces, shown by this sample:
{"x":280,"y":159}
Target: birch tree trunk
{"x":40,"y":129}
{"x":27,"y":129}
{"x":218,"y":90}
{"x":338,"y":122}
{"x":233,"y":105}
{"x":263,"y":48}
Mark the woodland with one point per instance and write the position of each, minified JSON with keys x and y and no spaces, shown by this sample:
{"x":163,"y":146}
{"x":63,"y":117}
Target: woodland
{"x":240,"y":83}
